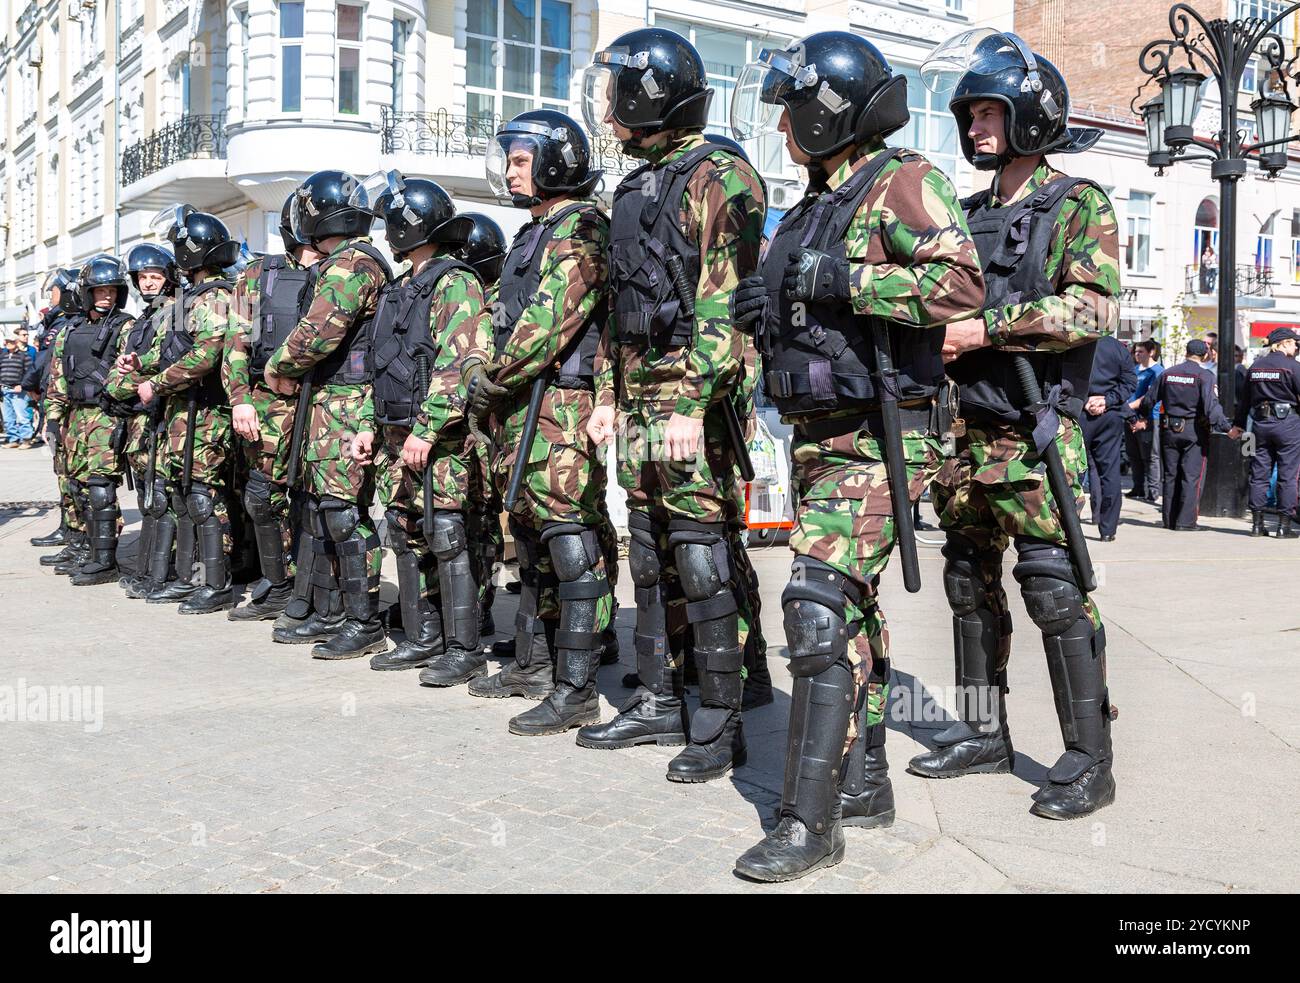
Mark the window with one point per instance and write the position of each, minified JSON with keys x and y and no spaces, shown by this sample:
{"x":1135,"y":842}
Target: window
{"x":1250,"y":76}
{"x":725,"y":53}
{"x":1267,"y":9}
{"x":953,"y":6}
{"x":517,"y":56}
{"x":402,"y":30}
{"x":241,"y":16}
{"x":1206,"y":232}
{"x":932,"y":129}
{"x":348,"y":58}
{"x":1137,"y":253}
{"x":1295,"y":246}
{"x":52,"y":197}
{"x":1264,"y":246}
{"x":290,"y":57}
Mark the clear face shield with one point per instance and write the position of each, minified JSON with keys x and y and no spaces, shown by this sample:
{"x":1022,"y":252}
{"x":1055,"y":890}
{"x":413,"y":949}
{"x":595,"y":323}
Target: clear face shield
{"x":171,"y":218}
{"x":387,"y":191}
{"x":982,"y":51}
{"x":51,"y":281}
{"x":511,"y":157}
{"x":756,"y":102}
{"x":600,"y":82}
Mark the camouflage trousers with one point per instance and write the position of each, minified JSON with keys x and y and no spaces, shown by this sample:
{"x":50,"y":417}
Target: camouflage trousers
{"x":89,"y":444}
{"x":328,"y":467}
{"x":213,"y":439}
{"x":845,"y":519}
{"x":454,"y":475}
{"x":995,"y":490}
{"x":68,"y":509}
{"x":270,"y":454}
{"x":489,"y":540}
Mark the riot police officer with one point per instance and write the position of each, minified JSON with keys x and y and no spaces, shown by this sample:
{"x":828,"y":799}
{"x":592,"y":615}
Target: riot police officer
{"x":431,"y":321}
{"x":156,"y":279}
{"x":1191,"y":410}
{"x":548,"y":311}
{"x":198,"y":416}
{"x":271,"y":296}
{"x":1271,"y":398}
{"x":839,"y":284}
{"x":1049,"y":247}
{"x":60,"y":286}
{"x":686,"y":228}
{"x":93,"y":424}
{"x":329,"y":349}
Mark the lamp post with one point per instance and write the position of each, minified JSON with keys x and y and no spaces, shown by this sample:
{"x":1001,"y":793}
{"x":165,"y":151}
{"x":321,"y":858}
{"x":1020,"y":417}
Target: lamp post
{"x":1223,"y":49}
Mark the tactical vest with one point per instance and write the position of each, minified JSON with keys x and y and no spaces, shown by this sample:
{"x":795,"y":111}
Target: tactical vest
{"x":521,"y":275}
{"x":138,"y":342}
{"x":284,"y":295}
{"x":400,"y":339}
{"x":179,"y":341}
{"x":649,"y":254}
{"x":89,"y":351}
{"x":819,"y":357}
{"x":349,"y":363}
{"x":1014,"y":242}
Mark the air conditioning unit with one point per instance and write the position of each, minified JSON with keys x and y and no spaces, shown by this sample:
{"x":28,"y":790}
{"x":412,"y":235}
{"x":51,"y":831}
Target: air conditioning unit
{"x":783,"y":194}
{"x":34,"y":55}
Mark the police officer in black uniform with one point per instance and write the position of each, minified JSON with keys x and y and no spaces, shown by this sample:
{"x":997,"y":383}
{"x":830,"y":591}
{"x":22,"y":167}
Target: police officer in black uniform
{"x":1191,"y":410}
{"x":1110,"y":387}
{"x":1271,"y":397}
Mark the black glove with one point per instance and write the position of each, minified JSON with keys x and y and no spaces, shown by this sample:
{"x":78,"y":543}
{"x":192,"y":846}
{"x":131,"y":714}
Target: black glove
{"x":810,"y":275}
{"x":481,"y":393}
{"x":748,"y":302}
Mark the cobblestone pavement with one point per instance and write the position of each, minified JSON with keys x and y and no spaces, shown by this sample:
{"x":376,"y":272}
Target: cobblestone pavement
{"x":205,"y":758}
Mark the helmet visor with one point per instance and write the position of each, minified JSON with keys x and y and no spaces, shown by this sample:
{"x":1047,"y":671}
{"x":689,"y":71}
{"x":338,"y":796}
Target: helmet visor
{"x":366,"y":194}
{"x":756,"y":103}
{"x":598,"y":86}
{"x":300,"y":213}
{"x":511,"y":156}
{"x":169,"y":223}
{"x":51,"y":280}
{"x":982,"y":51}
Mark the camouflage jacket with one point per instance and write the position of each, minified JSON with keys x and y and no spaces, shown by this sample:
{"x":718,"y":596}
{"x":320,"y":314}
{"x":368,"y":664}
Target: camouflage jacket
{"x":347,"y":290}
{"x":459,"y":325}
{"x":122,"y":385}
{"x":1084,"y":265}
{"x":57,"y":404}
{"x":722,"y":209}
{"x":236,"y":377}
{"x":207,"y":324}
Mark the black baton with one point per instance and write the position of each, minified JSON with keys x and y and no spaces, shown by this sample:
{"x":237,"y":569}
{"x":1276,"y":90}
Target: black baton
{"x":525,"y":446}
{"x":421,"y":394}
{"x":895,"y":459}
{"x":736,"y":436}
{"x":300,"y":414}
{"x":187,"y":455}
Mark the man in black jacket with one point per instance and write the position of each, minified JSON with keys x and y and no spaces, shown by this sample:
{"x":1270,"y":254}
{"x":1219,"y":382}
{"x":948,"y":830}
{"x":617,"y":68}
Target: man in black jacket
{"x":1110,"y":387}
{"x":14,"y":363}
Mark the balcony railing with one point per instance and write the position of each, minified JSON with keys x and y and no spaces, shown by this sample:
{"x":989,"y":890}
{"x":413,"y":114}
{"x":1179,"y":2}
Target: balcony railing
{"x":189,"y":138}
{"x":441,"y":134}
{"x":1250,"y":281}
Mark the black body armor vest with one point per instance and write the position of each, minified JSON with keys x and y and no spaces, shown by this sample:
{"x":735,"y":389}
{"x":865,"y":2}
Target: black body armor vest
{"x":1014,"y":242}
{"x":823,"y":359}
{"x":349,"y":364}
{"x":285,"y":293}
{"x":89,"y":351}
{"x":138,"y":341}
{"x":521,"y":275}
{"x":650,"y":256}
{"x":179,"y":340}
{"x":399,"y":334}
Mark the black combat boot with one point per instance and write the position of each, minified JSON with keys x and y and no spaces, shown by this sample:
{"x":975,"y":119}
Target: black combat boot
{"x":574,"y":701}
{"x":1284,"y":530}
{"x":758,"y":680}
{"x":1257,"y":523}
{"x":56,"y":538}
{"x":458,"y":597}
{"x":808,"y":834}
{"x":318,"y":626}
{"x":266,"y":601}
{"x":70,"y":548}
{"x":531,"y":677}
{"x":101,"y":525}
{"x":186,"y":555}
{"x":217,"y":592}
{"x":866,"y":793}
{"x":656,"y":714}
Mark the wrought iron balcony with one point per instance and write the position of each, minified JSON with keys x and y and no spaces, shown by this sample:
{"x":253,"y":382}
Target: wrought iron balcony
{"x":189,"y":138}
{"x":441,"y":134}
{"x":1250,"y":281}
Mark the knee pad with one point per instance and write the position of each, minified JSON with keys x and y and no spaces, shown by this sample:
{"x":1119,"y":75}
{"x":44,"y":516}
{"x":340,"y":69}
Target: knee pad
{"x":159,"y":506}
{"x":397,"y":537}
{"x":814,"y":603}
{"x":643,"y":551}
{"x":702,"y":555}
{"x":574,"y":549}
{"x":177,"y":502}
{"x":962,"y":582}
{"x":1047,"y":584}
{"x":339,"y":518}
{"x":200,"y":504}
{"x":449,"y":539}
{"x":257,"y":499}
{"x":102,"y":494}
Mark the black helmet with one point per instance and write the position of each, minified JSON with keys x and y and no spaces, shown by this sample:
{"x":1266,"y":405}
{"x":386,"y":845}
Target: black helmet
{"x":102,"y":271}
{"x":328,"y":204}
{"x":291,"y":244}
{"x":201,"y":241}
{"x":648,"y":81}
{"x":726,"y":141}
{"x":151,"y":256}
{"x":560,"y":152}
{"x":418,"y":212}
{"x":485,"y":249}
{"x":837,"y":87}
{"x":65,"y":279}
{"x":988,"y":64}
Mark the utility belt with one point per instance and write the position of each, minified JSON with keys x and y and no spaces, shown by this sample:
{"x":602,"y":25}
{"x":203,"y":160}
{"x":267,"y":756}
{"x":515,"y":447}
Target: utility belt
{"x":636,"y":328}
{"x":584,"y":384}
{"x":1176,"y":424}
{"x":920,"y":417}
{"x":1276,"y":411}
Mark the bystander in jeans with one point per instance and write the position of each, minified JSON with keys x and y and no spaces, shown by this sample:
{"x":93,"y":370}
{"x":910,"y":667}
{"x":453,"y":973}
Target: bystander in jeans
{"x":14,"y":363}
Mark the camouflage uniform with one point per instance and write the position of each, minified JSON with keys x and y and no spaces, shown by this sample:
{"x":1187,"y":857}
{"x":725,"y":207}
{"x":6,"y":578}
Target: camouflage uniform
{"x":561,"y":504}
{"x":340,"y":489}
{"x":676,"y":508}
{"x":912,"y":262}
{"x":995,"y":493}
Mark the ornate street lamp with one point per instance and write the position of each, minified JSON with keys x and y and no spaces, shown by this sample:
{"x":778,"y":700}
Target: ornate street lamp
{"x":1220,"y":50}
